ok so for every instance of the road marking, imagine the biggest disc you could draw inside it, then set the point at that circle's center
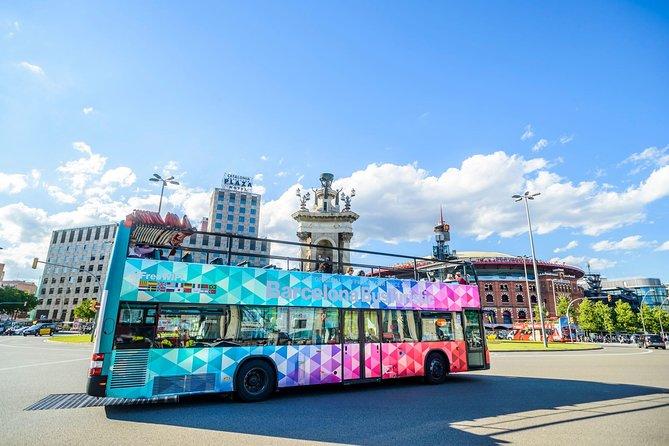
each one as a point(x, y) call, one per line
point(584, 354)
point(32, 347)
point(42, 364)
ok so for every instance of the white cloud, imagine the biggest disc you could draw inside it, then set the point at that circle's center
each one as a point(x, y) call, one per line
point(264, 157)
point(78, 172)
point(565, 139)
point(651, 157)
point(60, 195)
point(257, 177)
point(88, 110)
point(12, 183)
point(628, 243)
point(121, 176)
point(477, 200)
point(32, 68)
point(663, 247)
point(596, 264)
point(528, 133)
point(281, 174)
point(571, 245)
point(541, 144)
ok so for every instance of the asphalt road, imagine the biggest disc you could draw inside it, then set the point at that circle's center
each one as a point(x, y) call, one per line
point(619, 395)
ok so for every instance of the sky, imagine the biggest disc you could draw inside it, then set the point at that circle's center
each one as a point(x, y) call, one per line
point(416, 105)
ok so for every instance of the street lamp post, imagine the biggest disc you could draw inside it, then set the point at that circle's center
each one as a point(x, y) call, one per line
point(525, 198)
point(568, 322)
point(165, 182)
point(81, 270)
point(529, 299)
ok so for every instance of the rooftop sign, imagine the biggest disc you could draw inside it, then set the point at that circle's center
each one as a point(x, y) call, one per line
point(233, 181)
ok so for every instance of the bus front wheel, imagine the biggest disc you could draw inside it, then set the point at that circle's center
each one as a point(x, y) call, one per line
point(255, 380)
point(436, 368)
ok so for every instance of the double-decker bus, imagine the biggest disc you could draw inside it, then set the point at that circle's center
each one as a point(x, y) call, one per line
point(170, 326)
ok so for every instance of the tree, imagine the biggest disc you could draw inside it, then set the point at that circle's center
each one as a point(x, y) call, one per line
point(603, 317)
point(535, 312)
point(650, 323)
point(586, 316)
point(625, 319)
point(12, 299)
point(662, 318)
point(84, 310)
point(562, 304)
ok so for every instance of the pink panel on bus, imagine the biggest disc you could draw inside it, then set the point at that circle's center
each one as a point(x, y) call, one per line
point(408, 358)
point(372, 360)
point(351, 361)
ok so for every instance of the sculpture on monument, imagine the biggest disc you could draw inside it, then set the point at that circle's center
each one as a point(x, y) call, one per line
point(326, 226)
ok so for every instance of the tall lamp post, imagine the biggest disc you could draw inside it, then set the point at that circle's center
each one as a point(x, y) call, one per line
point(529, 299)
point(81, 270)
point(165, 181)
point(525, 198)
point(568, 321)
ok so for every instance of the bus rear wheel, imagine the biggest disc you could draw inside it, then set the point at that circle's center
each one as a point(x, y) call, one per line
point(436, 368)
point(255, 380)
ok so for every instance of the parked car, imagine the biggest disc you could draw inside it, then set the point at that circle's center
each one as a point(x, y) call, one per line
point(40, 330)
point(654, 341)
point(15, 329)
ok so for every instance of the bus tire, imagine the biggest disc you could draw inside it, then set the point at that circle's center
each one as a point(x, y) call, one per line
point(436, 368)
point(255, 380)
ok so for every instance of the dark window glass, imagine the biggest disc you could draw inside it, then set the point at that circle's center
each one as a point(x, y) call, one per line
point(106, 234)
point(217, 239)
point(489, 298)
point(88, 234)
point(135, 326)
point(262, 326)
point(198, 326)
point(437, 326)
point(400, 326)
point(97, 233)
point(252, 245)
point(240, 243)
point(54, 239)
point(205, 240)
point(80, 235)
point(505, 298)
point(62, 237)
point(519, 298)
point(71, 237)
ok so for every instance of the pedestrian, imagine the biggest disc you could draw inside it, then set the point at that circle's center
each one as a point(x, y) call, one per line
point(461, 280)
point(349, 271)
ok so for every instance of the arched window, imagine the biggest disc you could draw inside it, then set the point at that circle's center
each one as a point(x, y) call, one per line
point(533, 299)
point(522, 315)
point(489, 298)
point(507, 317)
point(505, 298)
point(519, 298)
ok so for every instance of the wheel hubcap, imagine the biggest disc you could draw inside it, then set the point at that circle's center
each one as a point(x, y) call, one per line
point(436, 369)
point(255, 381)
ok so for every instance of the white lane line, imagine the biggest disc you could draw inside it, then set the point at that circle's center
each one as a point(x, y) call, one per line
point(32, 347)
point(562, 355)
point(42, 364)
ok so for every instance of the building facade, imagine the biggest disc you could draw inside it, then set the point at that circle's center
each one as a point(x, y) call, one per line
point(504, 294)
point(233, 209)
point(649, 291)
point(82, 256)
point(23, 285)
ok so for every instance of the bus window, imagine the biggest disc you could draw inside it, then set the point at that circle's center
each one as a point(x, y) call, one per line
point(400, 326)
point(371, 325)
point(135, 326)
point(437, 326)
point(263, 326)
point(351, 333)
point(459, 334)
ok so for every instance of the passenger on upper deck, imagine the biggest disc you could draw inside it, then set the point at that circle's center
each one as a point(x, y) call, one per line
point(461, 280)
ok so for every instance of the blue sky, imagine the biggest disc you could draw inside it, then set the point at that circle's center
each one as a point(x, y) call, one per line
point(413, 104)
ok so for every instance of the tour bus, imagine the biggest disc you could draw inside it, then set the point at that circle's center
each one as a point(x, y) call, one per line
point(177, 320)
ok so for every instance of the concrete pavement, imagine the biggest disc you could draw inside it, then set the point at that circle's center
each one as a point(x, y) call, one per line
point(618, 395)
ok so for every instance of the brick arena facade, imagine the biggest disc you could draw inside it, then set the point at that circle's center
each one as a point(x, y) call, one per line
point(504, 297)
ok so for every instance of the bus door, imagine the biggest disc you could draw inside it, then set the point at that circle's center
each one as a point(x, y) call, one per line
point(474, 338)
point(361, 344)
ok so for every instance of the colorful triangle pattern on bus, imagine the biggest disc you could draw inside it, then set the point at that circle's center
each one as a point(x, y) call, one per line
point(178, 282)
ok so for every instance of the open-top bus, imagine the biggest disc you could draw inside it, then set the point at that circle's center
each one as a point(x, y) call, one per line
point(171, 327)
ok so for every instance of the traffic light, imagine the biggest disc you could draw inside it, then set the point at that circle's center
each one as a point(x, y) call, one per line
point(35, 260)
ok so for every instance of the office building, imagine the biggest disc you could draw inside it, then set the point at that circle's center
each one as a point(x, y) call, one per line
point(79, 258)
point(647, 289)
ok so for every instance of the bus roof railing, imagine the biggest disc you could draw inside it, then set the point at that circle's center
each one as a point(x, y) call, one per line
point(172, 238)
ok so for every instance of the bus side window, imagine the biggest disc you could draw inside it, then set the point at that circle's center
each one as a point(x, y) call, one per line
point(457, 325)
point(135, 326)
